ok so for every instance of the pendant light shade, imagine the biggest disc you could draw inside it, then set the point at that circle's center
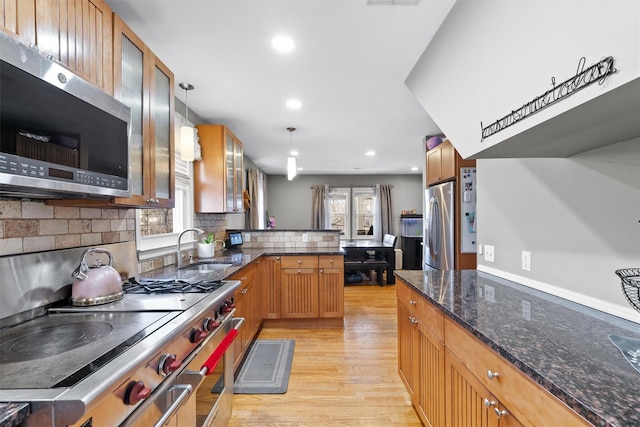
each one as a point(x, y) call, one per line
point(292, 167)
point(187, 133)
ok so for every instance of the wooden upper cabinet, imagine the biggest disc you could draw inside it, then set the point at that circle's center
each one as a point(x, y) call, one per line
point(18, 17)
point(75, 33)
point(145, 84)
point(218, 177)
point(441, 163)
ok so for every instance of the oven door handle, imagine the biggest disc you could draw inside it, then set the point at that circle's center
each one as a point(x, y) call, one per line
point(210, 365)
point(175, 406)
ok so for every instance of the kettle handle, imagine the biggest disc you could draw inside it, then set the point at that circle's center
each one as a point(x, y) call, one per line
point(82, 270)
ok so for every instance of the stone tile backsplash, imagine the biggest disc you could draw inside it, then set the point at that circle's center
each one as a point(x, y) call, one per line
point(27, 226)
point(274, 238)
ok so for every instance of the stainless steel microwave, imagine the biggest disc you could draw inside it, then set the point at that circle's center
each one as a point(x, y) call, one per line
point(60, 136)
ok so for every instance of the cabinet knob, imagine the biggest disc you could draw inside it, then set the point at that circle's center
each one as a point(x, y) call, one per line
point(299, 261)
point(412, 302)
point(492, 375)
point(500, 413)
point(244, 291)
point(489, 403)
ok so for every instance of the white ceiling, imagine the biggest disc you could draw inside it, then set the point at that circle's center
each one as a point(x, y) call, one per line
point(348, 70)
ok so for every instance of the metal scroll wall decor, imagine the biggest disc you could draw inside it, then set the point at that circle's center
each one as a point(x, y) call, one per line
point(583, 78)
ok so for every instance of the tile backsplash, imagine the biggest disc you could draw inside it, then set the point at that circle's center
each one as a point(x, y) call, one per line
point(28, 226)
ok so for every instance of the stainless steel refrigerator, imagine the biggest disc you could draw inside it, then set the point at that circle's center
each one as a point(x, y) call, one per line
point(439, 217)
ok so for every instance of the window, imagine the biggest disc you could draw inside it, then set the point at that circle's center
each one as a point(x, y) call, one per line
point(351, 210)
point(157, 230)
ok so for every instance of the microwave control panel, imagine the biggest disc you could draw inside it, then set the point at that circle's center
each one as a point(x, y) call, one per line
point(36, 169)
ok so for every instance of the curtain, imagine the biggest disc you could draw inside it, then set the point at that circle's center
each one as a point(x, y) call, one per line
point(383, 194)
point(318, 207)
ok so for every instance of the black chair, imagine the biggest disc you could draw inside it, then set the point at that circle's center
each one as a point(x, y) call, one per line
point(353, 261)
point(379, 261)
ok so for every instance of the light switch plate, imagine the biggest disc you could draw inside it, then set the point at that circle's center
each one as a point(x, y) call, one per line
point(526, 261)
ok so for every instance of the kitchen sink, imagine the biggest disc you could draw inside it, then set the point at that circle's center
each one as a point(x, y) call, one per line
point(206, 266)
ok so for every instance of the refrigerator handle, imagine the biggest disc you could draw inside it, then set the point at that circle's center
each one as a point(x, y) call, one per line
point(430, 225)
point(436, 215)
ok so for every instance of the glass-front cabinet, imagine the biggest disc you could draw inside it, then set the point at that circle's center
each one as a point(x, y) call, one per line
point(145, 84)
point(218, 177)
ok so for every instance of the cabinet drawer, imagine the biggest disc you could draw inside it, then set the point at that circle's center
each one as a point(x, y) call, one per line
point(331, 261)
point(246, 275)
point(305, 261)
point(529, 402)
point(422, 309)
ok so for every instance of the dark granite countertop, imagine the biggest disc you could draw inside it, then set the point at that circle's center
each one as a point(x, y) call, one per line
point(561, 345)
point(238, 258)
point(12, 414)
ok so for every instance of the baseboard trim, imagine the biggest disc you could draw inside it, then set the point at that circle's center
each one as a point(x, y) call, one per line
point(627, 313)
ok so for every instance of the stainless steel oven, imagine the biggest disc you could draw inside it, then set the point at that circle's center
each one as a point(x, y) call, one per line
point(141, 361)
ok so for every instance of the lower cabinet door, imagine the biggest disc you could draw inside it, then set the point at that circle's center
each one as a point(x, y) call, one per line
point(299, 293)
point(428, 397)
point(469, 403)
point(331, 292)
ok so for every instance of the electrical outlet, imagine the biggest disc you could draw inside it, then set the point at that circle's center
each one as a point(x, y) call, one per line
point(489, 253)
point(305, 237)
point(526, 261)
point(247, 237)
point(479, 249)
point(489, 293)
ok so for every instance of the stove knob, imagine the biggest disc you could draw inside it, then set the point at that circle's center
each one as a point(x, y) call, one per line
point(229, 305)
point(209, 324)
point(197, 335)
point(168, 363)
point(135, 392)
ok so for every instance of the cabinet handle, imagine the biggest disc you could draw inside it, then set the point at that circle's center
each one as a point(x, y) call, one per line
point(500, 413)
point(299, 261)
point(489, 403)
point(321, 270)
point(244, 291)
point(277, 258)
point(492, 375)
point(412, 302)
point(413, 320)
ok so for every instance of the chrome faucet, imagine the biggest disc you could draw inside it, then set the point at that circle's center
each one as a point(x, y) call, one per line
point(179, 252)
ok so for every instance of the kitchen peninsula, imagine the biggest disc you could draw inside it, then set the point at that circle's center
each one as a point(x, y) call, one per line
point(519, 335)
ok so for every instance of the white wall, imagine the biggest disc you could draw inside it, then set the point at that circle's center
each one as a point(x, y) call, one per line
point(290, 201)
point(579, 217)
point(492, 56)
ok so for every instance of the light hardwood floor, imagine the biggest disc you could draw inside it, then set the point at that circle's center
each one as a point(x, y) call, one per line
point(339, 377)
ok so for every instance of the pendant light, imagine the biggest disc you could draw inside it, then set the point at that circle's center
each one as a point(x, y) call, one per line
point(291, 161)
point(187, 133)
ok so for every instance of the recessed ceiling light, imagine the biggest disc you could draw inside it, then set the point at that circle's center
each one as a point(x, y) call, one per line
point(294, 104)
point(414, 168)
point(294, 153)
point(282, 44)
point(370, 153)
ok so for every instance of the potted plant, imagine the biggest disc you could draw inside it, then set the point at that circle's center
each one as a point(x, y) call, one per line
point(206, 247)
